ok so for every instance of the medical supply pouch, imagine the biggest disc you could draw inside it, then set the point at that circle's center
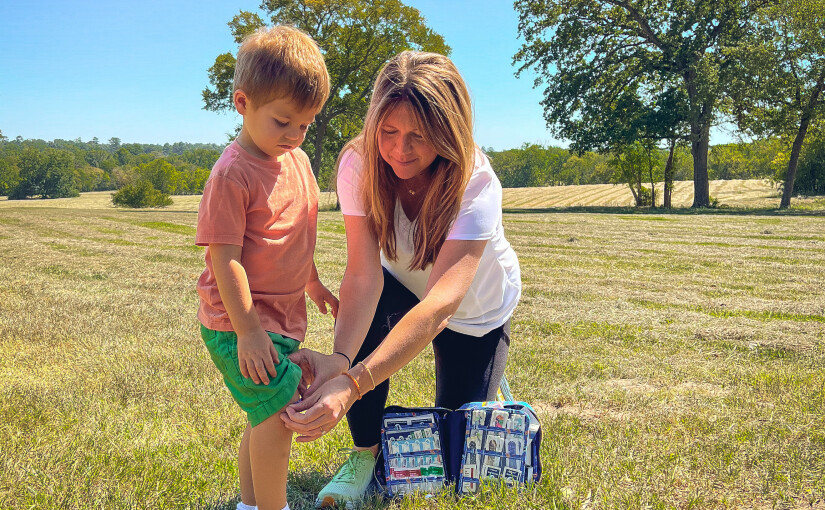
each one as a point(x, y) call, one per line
point(424, 448)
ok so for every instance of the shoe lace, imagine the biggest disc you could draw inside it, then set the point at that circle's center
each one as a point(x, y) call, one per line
point(346, 473)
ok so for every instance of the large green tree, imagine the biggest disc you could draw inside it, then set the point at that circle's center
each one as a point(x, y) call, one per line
point(590, 52)
point(780, 77)
point(356, 37)
point(45, 173)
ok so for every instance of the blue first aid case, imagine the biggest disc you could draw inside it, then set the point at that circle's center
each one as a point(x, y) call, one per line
point(425, 448)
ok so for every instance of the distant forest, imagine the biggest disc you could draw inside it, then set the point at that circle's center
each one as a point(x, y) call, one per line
point(61, 168)
point(536, 165)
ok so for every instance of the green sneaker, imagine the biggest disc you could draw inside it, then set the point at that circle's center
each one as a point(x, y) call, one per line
point(350, 483)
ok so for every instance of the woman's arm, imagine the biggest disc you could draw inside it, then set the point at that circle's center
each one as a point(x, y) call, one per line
point(452, 274)
point(359, 293)
point(360, 287)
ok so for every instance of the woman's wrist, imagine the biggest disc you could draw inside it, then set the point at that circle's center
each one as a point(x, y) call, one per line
point(369, 374)
point(363, 376)
point(345, 357)
point(353, 394)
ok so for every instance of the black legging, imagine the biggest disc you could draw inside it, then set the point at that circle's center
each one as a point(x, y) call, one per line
point(467, 368)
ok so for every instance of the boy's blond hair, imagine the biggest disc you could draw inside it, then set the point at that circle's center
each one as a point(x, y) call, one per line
point(279, 62)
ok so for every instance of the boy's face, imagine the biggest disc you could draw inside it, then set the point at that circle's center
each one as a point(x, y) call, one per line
point(274, 128)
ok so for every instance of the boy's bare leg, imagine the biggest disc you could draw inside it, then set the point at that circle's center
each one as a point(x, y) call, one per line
point(269, 445)
point(245, 470)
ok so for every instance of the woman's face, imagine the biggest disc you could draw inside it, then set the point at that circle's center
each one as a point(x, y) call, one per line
point(402, 144)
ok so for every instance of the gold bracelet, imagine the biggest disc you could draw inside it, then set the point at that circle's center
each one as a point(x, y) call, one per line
point(357, 386)
point(369, 373)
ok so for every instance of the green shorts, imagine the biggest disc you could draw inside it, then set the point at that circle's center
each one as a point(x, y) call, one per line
point(258, 401)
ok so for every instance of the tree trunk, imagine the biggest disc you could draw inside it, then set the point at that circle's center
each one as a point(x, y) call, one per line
point(650, 174)
point(635, 195)
point(639, 198)
point(700, 115)
point(321, 125)
point(793, 162)
point(668, 177)
point(699, 148)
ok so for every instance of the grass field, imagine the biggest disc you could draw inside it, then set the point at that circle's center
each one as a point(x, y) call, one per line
point(676, 360)
point(758, 194)
point(732, 193)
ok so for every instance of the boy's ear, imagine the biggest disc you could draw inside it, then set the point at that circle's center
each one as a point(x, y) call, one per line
point(241, 100)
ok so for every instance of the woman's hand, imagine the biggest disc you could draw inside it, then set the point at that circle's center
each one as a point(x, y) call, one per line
point(313, 417)
point(317, 369)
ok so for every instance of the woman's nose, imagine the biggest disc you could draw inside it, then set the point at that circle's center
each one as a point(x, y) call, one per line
point(404, 146)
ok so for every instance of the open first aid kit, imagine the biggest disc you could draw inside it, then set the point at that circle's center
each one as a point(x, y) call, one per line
point(422, 449)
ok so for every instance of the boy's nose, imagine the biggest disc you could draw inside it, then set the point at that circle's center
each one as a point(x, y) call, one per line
point(294, 134)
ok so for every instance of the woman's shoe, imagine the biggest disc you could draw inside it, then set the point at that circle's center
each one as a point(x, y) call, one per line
point(350, 483)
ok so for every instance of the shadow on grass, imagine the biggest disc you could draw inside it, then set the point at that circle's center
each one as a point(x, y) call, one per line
point(682, 211)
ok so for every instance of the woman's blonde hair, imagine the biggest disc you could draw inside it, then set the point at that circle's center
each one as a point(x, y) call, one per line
point(433, 88)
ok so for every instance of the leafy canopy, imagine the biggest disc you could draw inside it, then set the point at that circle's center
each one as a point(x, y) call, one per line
point(357, 37)
point(617, 71)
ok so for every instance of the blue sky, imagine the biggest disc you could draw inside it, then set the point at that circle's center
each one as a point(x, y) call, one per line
point(136, 69)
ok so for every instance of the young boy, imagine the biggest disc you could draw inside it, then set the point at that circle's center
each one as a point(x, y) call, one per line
point(257, 219)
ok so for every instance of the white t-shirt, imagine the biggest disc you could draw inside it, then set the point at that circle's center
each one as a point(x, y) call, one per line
point(496, 287)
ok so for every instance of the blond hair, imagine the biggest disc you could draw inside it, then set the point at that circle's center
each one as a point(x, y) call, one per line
point(279, 62)
point(433, 88)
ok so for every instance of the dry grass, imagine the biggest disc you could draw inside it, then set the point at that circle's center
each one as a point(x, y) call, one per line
point(733, 193)
point(102, 200)
point(677, 361)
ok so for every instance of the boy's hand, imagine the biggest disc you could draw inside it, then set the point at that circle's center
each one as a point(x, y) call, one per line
point(257, 356)
point(320, 295)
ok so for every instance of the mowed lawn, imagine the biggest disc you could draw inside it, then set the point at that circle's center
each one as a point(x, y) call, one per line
point(676, 361)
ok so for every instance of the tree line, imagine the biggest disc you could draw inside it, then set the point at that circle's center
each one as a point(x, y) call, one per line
point(536, 165)
point(64, 168)
point(152, 172)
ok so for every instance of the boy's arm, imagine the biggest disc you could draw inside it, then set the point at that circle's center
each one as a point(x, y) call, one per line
point(319, 294)
point(256, 353)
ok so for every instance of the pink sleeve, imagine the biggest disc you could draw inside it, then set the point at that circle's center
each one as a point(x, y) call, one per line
point(349, 184)
point(222, 212)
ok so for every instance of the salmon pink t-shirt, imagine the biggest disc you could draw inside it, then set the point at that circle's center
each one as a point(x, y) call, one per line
point(270, 209)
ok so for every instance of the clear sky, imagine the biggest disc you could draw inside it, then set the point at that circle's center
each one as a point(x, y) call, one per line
point(136, 69)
